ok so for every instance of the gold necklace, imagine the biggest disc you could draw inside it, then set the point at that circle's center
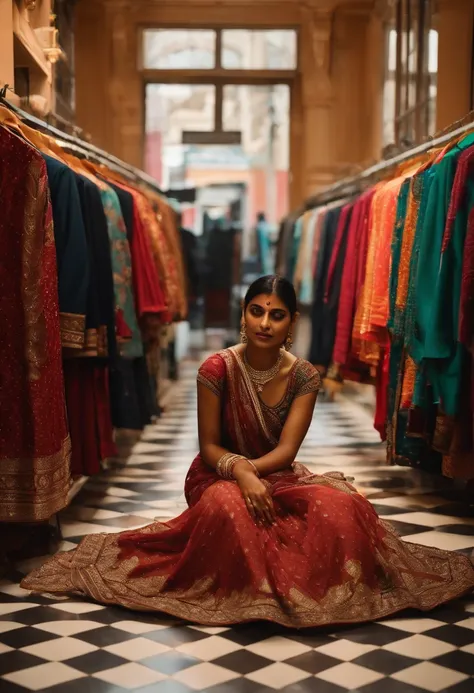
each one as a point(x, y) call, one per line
point(261, 378)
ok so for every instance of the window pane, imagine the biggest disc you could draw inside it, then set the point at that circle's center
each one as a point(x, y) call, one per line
point(172, 49)
point(171, 109)
point(259, 50)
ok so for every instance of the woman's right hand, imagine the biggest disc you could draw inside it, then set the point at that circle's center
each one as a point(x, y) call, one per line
point(256, 496)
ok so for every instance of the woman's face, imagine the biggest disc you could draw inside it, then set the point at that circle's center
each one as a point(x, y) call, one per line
point(268, 321)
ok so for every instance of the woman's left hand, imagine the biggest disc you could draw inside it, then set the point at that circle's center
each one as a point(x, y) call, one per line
point(257, 498)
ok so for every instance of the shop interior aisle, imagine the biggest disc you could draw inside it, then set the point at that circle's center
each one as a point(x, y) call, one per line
point(74, 646)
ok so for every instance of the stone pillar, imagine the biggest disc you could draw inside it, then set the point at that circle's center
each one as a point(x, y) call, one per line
point(125, 85)
point(7, 69)
point(317, 93)
point(455, 78)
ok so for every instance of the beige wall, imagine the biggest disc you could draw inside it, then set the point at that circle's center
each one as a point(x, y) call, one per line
point(455, 26)
point(336, 115)
point(330, 99)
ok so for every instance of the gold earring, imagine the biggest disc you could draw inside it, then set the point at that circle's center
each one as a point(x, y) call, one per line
point(289, 342)
point(243, 332)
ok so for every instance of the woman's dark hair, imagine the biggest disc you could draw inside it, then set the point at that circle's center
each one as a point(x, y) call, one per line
point(273, 284)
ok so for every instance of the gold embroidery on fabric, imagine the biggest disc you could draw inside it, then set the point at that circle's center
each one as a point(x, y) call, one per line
point(37, 197)
point(411, 576)
point(32, 490)
point(72, 330)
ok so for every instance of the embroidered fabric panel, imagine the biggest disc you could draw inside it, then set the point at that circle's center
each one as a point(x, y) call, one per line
point(307, 379)
point(212, 374)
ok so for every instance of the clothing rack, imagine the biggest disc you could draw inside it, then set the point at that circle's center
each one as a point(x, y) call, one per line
point(81, 147)
point(355, 184)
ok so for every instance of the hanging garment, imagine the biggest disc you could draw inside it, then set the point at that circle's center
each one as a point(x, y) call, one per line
point(318, 353)
point(280, 573)
point(71, 252)
point(34, 440)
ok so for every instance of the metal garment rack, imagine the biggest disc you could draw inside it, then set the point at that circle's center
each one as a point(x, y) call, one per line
point(79, 146)
point(354, 184)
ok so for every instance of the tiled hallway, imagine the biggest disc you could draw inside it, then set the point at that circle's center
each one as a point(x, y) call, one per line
point(74, 646)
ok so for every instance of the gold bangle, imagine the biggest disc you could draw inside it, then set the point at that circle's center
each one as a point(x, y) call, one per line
point(255, 467)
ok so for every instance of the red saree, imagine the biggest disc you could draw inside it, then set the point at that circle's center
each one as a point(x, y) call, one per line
point(328, 558)
point(34, 442)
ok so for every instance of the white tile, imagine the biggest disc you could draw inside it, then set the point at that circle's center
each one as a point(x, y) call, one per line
point(350, 676)
point(44, 676)
point(89, 514)
point(420, 647)
point(210, 630)
point(468, 623)
point(278, 676)
point(60, 649)
point(70, 528)
point(346, 650)
point(278, 648)
point(136, 627)
point(5, 648)
point(430, 677)
point(468, 648)
point(65, 628)
point(137, 649)
point(413, 625)
point(14, 590)
point(130, 676)
point(209, 648)
point(203, 676)
point(440, 540)
point(428, 519)
point(470, 608)
point(7, 626)
point(14, 607)
point(78, 607)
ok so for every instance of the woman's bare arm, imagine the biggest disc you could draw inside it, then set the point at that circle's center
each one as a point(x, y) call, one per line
point(209, 426)
point(294, 432)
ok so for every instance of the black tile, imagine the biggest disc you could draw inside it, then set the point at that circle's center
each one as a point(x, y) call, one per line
point(23, 637)
point(311, 637)
point(404, 529)
point(455, 510)
point(385, 662)
point(465, 530)
point(313, 662)
point(465, 686)
point(9, 687)
point(449, 613)
point(312, 685)
point(391, 510)
point(243, 662)
point(388, 685)
point(85, 685)
point(17, 661)
point(372, 634)
point(174, 637)
point(170, 662)
point(250, 633)
point(455, 635)
point(100, 660)
point(457, 660)
point(102, 637)
point(40, 614)
point(240, 685)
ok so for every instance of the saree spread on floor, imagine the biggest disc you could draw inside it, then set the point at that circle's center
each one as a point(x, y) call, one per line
point(327, 559)
point(402, 305)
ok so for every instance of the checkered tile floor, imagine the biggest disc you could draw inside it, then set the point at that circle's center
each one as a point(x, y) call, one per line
point(74, 646)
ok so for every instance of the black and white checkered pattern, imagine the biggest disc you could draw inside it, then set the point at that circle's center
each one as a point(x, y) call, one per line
point(70, 645)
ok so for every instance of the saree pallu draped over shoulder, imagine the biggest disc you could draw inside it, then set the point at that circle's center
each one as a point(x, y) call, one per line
point(327, 559)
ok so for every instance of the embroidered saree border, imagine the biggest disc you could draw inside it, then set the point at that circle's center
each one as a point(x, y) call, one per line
point(72, 330)
point(34, 489)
